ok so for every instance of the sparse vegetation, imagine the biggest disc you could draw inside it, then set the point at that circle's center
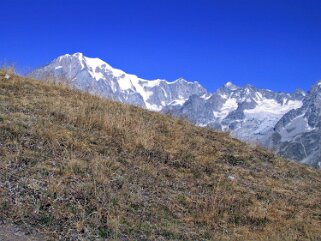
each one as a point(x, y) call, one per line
point(8, 69)
point(74, 166)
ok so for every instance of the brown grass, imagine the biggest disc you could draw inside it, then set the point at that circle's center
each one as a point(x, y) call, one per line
point(9, 69)
point(77, 166)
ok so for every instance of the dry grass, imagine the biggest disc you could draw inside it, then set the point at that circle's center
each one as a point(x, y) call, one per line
point(9, 69)
point(74, 166)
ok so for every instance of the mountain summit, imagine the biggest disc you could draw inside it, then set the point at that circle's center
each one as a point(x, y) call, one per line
point(297, 135)
point(230, 85)
point(95, 76)
point(249, 113)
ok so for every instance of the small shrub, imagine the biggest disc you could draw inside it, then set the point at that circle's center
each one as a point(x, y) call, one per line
point(105, 232)
point(234, 160)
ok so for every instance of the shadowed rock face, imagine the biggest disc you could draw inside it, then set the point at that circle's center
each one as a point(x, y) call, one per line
point(249, 113)
point(298, 133)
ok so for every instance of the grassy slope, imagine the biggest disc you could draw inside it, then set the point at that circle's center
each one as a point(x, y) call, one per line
point(73, 165)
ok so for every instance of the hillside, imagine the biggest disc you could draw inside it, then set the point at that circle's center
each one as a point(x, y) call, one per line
point(75, 166)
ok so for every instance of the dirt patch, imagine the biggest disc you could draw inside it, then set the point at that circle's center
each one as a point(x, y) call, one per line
point(14, 233)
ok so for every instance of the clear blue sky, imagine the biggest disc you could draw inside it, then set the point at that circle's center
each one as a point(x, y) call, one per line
point(273, 44)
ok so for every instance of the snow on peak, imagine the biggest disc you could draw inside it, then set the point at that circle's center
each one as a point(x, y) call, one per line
point(152, 94)
point(230, 85)
point(97, 67)
point(229, 105)
point(179, 80)
point(78, 54)
point(270, 107)
point(206, 96)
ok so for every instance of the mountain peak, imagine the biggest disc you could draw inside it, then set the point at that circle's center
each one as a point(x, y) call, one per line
point(180, 80)
point(95, 75)
point(316, 87)
point(78, 54)
point(299, 92)
point(230, 85)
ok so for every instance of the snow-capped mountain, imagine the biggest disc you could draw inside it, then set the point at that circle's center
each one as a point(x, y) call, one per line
point(287, 123)
point(297, 135)
point(97, 77)
point(248, 113)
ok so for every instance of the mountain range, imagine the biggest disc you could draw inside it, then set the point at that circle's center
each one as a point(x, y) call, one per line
point(288, 123)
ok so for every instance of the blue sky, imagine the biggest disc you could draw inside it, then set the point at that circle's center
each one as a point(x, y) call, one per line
point(270, 44)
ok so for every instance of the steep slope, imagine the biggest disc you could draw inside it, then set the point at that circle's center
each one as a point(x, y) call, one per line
point(74, 166)
point(298, 134)
point(97, 77)
point(249, 113)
